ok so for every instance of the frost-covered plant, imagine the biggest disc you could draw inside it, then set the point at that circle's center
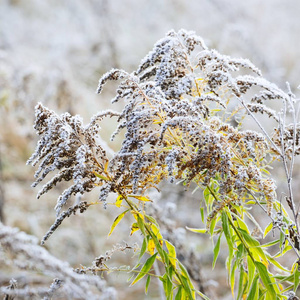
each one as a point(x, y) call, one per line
point(185, 120)
point(22, 250)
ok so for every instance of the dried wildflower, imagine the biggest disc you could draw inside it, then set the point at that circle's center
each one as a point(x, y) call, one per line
point(82, 206)
point(172, 129)
point(26, 253)
point(69, 147)
point(183, 116)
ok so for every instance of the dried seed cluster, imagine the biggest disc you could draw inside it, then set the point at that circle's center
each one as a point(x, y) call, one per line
point(181, 104)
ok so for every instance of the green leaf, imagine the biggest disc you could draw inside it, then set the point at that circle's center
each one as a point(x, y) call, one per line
point(254, 289)
point(286, 248)
point(270, 244)
point(232, 277)
point(265, 278)
point(117, 220)
point(151, 219)
point(179, 294)
point(185, 278)
point(187, 288)
point(296, 278)
point(216, 251)
point(281, 240)
point(100, 176)
point(141, 224)
point(268, 229)
point(256, 250)
point(284, 278)
point(202, 214)
point(143, 248)
point(156, 237)
point(201, 295)
point(172, 253)
point(206, 194)
point(145, 269)
point(183, 270)
point(198, 230)
point(228, 236)
point(212, 225)
point(241, 223)
point(147, 284)
point(251, 271)
point(276, 263)
point(241, 283)
point(168, 286)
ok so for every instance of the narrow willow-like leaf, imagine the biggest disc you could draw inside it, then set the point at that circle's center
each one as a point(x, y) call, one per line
point(241, 223)
point(216, 250)
point(197, 230)
point(241, 286)
point(141, 198)
point(275, 263)
point(168, 286)
point(147, 284)
point(251, 271)
point(172, 253)
point(228, 236)
point(232, 277)
point(296, 278)
point(270, 244)
point(143, 248)
point(265, 278)
point(187, 287)
point(158, 242)
point(151, 219)
point(100, 176)
point(145, 269)
point(116, 221)
point(141, 224)
point(185, 279)
point(179, 294)
point(202, 214)
point(256, 250)
point(212, 225)
point(253, 293)
point(287, 248)
point(268, 229)
point(201, 295)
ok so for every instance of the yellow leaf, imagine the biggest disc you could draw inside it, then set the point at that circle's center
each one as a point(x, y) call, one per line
point(172, 253)
point(100, 176)
point(116, 221)
point(106, 166)
point(141, 198)
point(151, 247)
point(268, 229)
point(119, 201)
point(200, 230)
point(137, 214)
point(134, 228)
point(156, 231)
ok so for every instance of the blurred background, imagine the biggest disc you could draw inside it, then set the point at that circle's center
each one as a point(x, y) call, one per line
point(56, 51)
